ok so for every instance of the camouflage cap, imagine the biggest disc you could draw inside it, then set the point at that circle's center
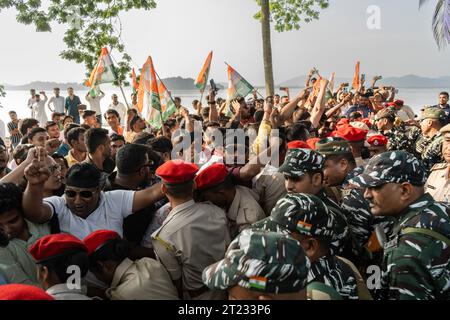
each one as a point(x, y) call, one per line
point(261, 261)
point(300, 161)
point(385, 113)
point(333, 145)
point(300, 213)
point(391, 167)
point(433, 113)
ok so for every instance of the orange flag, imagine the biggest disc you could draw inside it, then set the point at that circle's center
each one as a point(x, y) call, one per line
point(356, 79)
point(202, 78)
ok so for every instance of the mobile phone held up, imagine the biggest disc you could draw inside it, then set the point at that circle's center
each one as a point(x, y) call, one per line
point(213, 86)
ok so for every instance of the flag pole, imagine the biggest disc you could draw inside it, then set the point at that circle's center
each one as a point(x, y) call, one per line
point(120, 82)
point(170, 95)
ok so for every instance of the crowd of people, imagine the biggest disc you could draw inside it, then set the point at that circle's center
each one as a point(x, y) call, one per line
point(311, 195)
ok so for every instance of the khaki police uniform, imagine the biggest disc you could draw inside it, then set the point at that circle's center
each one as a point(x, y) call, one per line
point(193, 236)
point(244, 210)
point(438, 183)
point(270, 188)
point(143, 279)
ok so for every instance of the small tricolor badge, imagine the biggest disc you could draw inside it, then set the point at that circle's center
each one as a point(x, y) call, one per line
point(304, 227)
point(258, 282)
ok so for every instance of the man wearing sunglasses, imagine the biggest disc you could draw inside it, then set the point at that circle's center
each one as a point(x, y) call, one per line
point(84, 207)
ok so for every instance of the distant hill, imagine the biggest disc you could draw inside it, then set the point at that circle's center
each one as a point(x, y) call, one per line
point(408, 81)
point(173, 83)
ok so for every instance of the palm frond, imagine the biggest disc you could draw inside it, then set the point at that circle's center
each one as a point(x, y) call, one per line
point(441, 23)
point(422, 2)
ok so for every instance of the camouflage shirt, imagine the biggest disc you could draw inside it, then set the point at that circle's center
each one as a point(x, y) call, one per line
point(416, 264)
point(333, 272)
point(432, 154)
point(341, 233)
point(402, 137)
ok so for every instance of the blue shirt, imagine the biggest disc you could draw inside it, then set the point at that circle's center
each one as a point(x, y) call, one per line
point(63, 149)
point(364, 110)
point(72, 106)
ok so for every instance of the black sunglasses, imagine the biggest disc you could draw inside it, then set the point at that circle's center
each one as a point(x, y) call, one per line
point(85, 194)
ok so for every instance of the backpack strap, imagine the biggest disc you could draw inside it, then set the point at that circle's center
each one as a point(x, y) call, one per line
point(427, 232)
point(320, 291)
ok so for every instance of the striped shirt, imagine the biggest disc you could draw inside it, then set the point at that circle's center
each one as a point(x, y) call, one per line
point(15, 138)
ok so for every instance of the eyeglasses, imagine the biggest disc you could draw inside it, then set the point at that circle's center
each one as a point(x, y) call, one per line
point(85, 194)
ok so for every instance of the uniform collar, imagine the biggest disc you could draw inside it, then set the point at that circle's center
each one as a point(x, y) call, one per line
point(181, 207)
point(414, 208)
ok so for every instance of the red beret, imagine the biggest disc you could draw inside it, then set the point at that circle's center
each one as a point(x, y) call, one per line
point(54, 245)
point(350, 133)
point(298, 144)
point(98, 238)
point(377, 140)
point(399, 103)
point(177, 171)
point(23, 292)
point(342, 122)
point(312, 142)
point(367, 122)
point(211, 176)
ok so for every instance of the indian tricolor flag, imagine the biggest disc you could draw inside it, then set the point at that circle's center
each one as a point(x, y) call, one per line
point(167, 105)
point(149, 104)
point(202, 78)
point(356, 80)
point(103, 71)
point(259, 283)
point(302, 226)
point(237, 85)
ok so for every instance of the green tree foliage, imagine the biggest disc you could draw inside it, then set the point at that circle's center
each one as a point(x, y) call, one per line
point(2, 91)
point(90, 25)
point(288, 15)
point(441, 22)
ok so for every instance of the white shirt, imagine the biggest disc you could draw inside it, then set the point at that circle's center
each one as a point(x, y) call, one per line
point(94, 103)
point(2, 130)
point(62, 292)
point(114, 206)
point(121, 109)
point(58, 104)
point(38, 109)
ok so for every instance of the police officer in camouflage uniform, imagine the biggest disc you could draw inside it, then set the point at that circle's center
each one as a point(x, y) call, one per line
point(416, 263)
point(400, 136)
point(307, 219)
point(429, 145)
point(302, 169)
point(261, 265)
point(339, 168)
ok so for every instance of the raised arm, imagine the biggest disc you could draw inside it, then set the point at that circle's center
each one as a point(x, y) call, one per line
point(319, 106)
point(288, 109)
point(147, 197)
point(37, 173)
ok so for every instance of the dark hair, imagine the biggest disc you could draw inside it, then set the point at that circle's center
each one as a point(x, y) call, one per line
point(194, 102)
point(74, 134)
point(130, 158)
point(21, 152)
point(142, 138)
point(85, 126)
point(59, 265)
point(161, 144)
point(205, 112)
point(259, 115)
point(50, 124)
point(12, 112)
point(10, 197)
point(67, 117)
point(171, 123)
point(94, 138)
point(83, 175)
point(112, 111)
point(338, 157)
point(113, 250)
point(26, 124)
point(445, 93)
point(116, 137)
point(34, 132)
point(297, 131)
point(60, 156)
point(88, 113)
point(133, 121)
point(182, 190)
point(69, 127)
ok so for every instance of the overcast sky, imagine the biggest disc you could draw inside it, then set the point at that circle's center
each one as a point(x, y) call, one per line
point(179, 33)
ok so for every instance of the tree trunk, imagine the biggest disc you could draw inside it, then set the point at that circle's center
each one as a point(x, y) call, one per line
point(267, 47)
